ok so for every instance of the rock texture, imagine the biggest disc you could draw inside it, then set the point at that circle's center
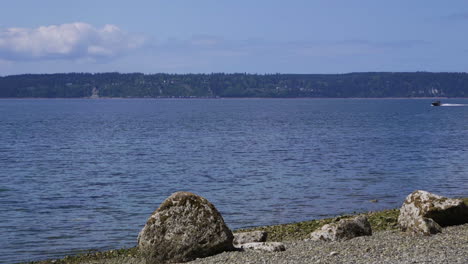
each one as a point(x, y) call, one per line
point(343, 230)
point(248, 237)
point(425, 213)
point(264, 246)
point(185, 227)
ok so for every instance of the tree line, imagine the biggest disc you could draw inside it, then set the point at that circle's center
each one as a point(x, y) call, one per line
point(371, 84)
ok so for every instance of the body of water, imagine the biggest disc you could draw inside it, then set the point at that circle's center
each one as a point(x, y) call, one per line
point(86, 174)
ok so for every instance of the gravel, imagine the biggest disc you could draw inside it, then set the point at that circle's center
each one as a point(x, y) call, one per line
point(450, 246)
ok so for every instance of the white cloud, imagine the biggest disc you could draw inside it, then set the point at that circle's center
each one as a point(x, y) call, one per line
point(67, 41)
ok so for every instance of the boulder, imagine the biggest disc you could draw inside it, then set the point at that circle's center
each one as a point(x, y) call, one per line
point(343, 230)
point(248, 237)
point(184, 227)
point(426, 213)
point(264, 246)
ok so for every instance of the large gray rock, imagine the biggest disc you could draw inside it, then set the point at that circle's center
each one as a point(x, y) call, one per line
point(186, 226)
point(425, 213)
point(343, 230)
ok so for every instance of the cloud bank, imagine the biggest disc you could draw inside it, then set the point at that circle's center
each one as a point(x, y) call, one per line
point(67, 41)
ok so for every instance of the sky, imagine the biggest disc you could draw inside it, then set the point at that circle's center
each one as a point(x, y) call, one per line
point(255, 36)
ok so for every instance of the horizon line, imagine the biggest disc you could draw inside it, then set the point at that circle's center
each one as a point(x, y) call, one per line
point(235, 73)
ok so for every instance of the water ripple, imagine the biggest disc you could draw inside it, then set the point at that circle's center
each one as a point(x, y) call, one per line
point(86, 174)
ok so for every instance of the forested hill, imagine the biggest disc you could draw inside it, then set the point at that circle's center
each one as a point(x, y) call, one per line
point(68, 85)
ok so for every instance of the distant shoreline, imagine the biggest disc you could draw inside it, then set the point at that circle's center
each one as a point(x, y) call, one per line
point(352, 85)
point(227, 98)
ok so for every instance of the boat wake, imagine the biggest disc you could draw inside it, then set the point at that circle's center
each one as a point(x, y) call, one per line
point(454, 105)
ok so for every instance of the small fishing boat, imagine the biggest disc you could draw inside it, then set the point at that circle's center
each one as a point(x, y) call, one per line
point(436, 103)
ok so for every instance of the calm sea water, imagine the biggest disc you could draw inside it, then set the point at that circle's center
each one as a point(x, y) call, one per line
point(86, 174)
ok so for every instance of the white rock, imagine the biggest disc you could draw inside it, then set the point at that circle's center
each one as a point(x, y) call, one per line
point(425, 213)
point(264, 246)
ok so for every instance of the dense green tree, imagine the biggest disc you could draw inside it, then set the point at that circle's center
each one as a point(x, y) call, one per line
point(373, 84)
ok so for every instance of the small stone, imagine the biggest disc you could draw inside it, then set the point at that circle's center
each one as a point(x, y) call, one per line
point(247, 237)
point(343, 230)
point(264, 246)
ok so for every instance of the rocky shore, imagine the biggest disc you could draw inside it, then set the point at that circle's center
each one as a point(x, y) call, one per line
point(392, 246)
point(305, 243)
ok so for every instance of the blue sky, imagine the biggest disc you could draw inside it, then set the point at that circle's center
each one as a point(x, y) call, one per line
point(203, 36)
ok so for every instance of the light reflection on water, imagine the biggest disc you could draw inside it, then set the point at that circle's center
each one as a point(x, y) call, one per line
point(86, 174)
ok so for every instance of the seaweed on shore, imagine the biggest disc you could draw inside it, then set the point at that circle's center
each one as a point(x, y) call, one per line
point(95, 257)
point(382, 220)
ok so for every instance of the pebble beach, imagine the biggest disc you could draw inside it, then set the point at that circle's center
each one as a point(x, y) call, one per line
point(391, 246)
point(450, 246)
